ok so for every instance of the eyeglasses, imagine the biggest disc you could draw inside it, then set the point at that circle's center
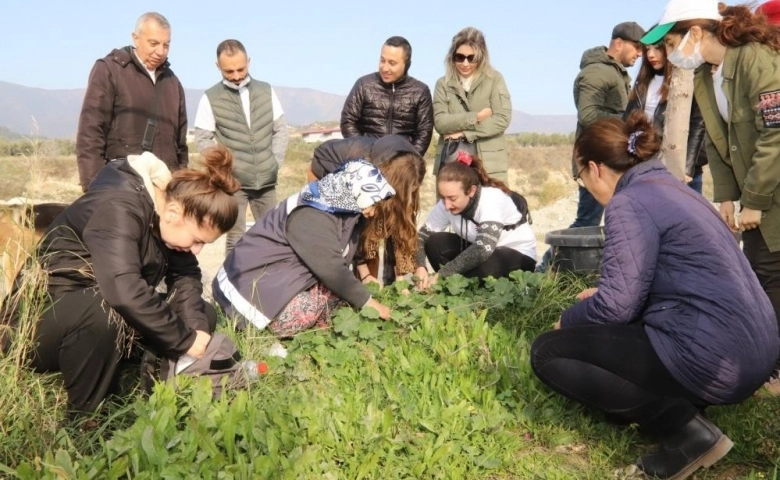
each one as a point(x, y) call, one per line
point(460, 58)
point(578, 177)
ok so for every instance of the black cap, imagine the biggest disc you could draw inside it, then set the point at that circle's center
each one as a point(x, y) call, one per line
point(628, 31)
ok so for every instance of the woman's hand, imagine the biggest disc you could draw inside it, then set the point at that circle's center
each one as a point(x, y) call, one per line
point(484, 114)
point(384, 312)
point(587, 293)
point(198, 348)
point(727, 212)
point(749, 219)
point(422, 277)
point(557, 325)
point(688, 179)
point(454, 136)
point(370, 279)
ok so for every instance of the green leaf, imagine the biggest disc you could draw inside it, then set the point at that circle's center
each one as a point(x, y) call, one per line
point(370, 313)
point(368, 330)
point(346, 324)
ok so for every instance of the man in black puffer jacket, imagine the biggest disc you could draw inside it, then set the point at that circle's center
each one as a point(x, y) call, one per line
point(390, 101)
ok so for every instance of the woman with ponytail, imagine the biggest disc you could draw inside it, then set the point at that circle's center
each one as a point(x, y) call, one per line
point(105, 255)
point(678, 321)
point(736, 55)
point(491, 237)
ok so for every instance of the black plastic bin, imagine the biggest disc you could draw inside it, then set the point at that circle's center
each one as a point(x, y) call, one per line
point(576, 250)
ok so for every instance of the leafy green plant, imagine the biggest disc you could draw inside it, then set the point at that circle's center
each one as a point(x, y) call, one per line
point(442, 390)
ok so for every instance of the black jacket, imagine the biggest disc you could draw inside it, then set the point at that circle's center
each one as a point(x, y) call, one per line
point(109, 239)
point(332, 154)
point(374, 108)
point(117, 105)
point(696, 154)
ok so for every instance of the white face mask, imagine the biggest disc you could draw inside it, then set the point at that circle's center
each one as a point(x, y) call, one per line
point(686, 62)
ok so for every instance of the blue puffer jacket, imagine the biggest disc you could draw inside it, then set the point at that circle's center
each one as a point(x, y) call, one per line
point(671, 262)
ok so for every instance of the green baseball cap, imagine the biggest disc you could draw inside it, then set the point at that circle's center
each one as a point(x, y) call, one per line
point(656, 34)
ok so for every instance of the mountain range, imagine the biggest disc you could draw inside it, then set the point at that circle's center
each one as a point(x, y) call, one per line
point(54, 113)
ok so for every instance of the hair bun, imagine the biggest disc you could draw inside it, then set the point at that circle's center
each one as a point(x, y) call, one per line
point(219, 165)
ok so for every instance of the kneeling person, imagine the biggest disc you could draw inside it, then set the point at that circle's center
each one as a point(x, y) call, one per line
point(491, 236)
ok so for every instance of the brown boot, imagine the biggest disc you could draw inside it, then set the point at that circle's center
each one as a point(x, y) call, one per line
point(772, 386)
point(698, 444)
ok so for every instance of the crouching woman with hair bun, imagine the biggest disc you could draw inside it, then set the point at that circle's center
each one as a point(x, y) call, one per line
point(491, 237)
point(292, 268)
point(679, 320)
point(105, 255)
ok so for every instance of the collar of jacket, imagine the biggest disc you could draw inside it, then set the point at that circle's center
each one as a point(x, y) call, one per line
point(730, 61)
point(637, 171)
point(237, 88)
point(455, 85)
point(124, 56)
point(401, 81)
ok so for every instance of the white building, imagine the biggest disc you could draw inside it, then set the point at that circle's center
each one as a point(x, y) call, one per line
point(321, 135)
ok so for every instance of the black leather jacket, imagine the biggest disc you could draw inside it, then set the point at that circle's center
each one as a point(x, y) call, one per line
point(109, 240)
point(374, 108)
point(696, 155)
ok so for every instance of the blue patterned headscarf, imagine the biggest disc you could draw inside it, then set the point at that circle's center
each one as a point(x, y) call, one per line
point(355, 186)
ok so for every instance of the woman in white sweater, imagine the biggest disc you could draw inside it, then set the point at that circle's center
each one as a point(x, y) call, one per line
point(490, 236)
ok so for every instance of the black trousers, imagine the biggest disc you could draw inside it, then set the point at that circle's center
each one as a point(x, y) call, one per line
point(74, 336)
point(766, 265)
point(443, 247)
point(614, 368)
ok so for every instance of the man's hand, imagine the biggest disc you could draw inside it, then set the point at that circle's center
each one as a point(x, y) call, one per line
point(749, 219)
point(198, 348)
point(484, 114)
point(727, 213)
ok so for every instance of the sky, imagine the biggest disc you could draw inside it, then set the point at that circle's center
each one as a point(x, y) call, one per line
point(323, 45)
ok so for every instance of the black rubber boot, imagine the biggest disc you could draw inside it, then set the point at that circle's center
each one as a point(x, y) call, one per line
point(698, 444)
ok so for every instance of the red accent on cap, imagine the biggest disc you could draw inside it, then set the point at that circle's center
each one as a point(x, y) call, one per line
point(771, 9)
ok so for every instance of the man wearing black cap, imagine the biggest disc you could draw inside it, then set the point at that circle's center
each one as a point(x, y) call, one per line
point(601, 90)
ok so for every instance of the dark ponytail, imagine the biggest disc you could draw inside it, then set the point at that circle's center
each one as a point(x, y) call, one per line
point(207, 196)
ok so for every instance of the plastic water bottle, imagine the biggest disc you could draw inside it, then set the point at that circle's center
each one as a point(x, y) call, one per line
point(254, 369)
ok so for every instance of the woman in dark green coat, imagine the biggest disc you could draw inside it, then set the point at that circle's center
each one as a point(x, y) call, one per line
point(471, 101)
point(736, 54)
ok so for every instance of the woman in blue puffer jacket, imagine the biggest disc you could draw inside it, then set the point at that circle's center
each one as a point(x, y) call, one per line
point(679, 320)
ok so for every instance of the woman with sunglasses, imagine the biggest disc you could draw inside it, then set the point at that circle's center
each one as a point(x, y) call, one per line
point(471, 101)
point(678, 321)
point(650, 94)
point(738, 91)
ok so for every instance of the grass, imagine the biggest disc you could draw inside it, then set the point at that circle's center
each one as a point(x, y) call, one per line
point(444, 390)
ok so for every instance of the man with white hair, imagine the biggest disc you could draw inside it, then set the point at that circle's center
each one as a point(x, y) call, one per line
point(134, 103)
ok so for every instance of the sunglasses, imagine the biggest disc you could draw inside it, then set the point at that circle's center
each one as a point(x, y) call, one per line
point(460, 58)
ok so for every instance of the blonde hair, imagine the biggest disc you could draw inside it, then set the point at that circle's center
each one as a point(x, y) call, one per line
point(395, 217)
point(475, 39)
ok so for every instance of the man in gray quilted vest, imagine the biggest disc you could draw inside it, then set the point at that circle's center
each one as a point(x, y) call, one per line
point(245, 115)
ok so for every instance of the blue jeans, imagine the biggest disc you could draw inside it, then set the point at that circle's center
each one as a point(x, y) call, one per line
point(589, 213)
point(696, 183)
